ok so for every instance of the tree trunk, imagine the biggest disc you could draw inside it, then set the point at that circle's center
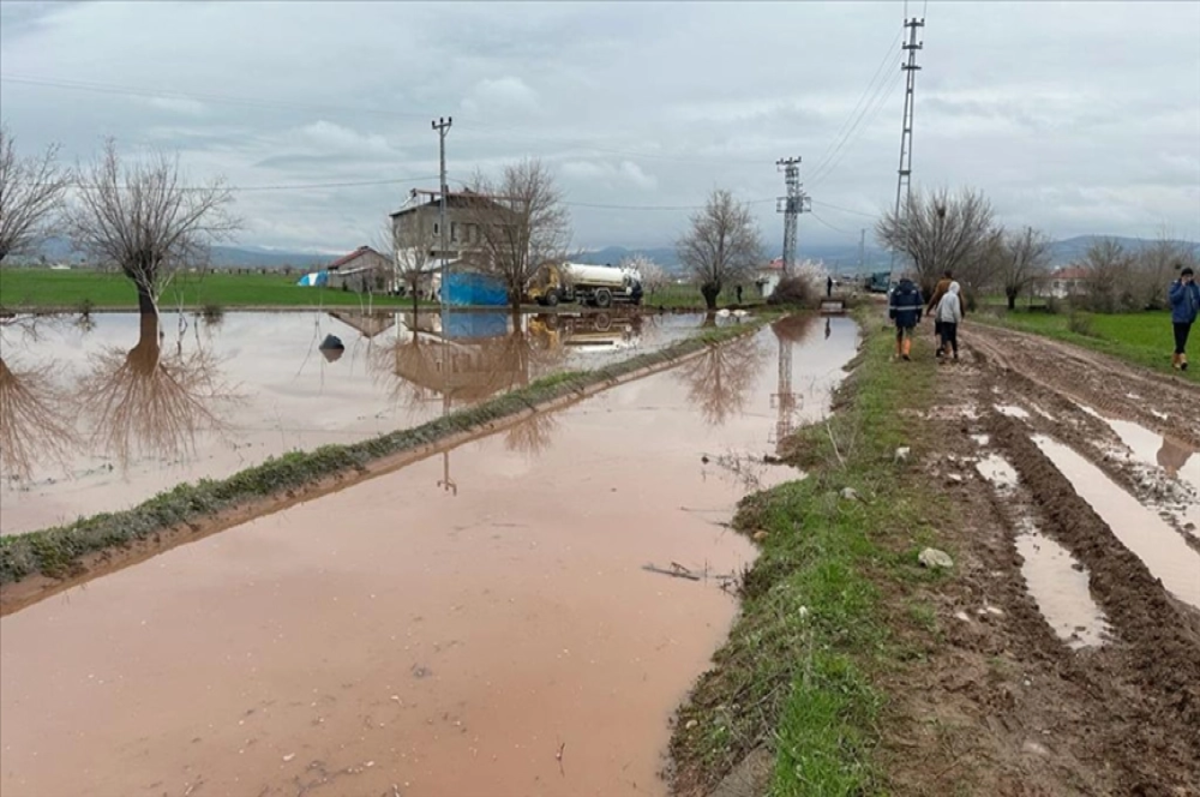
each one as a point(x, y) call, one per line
point(146, 304)
point(710, 291)
point(1012, 299)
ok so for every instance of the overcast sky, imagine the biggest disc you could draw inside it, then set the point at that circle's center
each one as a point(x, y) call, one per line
point(1073, 117)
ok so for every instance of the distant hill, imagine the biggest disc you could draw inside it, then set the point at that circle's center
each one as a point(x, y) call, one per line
point(60, 250)
point(1070, 250)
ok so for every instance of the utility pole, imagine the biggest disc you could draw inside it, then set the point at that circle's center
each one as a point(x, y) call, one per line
point(442, 126)
point(904, 178)
point(791, 206)
point(862, 249)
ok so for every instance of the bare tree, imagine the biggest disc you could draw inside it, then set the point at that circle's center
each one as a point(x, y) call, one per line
point(1023, 258)
point(940, 231)
point(719, 381)
point(654, 276)
point(36, 421)
point(413, 248)
point(723, 246)
point(146, 220)
point(1108, 284)
point(1157, 266)
point(521, 223)
point(31, 192)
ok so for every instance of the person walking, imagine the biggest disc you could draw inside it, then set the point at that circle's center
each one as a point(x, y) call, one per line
point(949, 314)
point(939, 291)
point(905, 309)
point(1185, 305)
point(739, 294)
point(829, 287)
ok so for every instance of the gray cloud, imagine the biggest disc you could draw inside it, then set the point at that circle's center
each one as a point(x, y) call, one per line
point(1074, 117)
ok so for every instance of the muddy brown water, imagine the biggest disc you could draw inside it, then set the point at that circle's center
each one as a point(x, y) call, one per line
point(103, 419)
point(497, 636)
point(1138, 527)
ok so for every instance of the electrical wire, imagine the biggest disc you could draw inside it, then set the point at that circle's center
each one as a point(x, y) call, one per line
point(830, 226)
point(236, 189)
point(886, 93)
point(845, 210)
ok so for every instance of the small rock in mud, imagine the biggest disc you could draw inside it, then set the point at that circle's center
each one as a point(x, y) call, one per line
point(954, 479)
point(760, 535)
point(933, 558)
point(902, 454)
point(966, 618)
point(1031, 746)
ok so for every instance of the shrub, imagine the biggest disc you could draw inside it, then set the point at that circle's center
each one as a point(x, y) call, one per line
point(793, 291)
point(1081, 324)
point(1055, 305)
point(212, 313)
point(85, 308)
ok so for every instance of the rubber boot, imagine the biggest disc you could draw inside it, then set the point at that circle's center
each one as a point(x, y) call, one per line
point(1183, 362)
point(907, 350)
point(899, 349)
point(1175, 361)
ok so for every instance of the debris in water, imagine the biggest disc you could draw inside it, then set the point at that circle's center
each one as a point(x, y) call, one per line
point(677, 571)
point(933, 558)
point(288, 757)
point(420, 671)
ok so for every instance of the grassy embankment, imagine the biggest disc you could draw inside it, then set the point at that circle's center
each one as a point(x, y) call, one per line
point(1143, 339)
point(56, 552)
point(800, 674)
point(29, 289)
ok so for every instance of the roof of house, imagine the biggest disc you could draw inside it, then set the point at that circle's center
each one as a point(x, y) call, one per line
point(454, 199)
point(774, 265)
point(357, 253)
point(1070, 273)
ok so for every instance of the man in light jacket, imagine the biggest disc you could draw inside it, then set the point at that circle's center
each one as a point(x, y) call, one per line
point(1185, 304)
point(949, 314)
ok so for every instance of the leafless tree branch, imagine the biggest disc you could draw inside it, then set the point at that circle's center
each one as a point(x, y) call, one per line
point(722, 247)
point(31, 194)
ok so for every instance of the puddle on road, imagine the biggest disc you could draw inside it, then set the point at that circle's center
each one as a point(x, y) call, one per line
point(1012, 412)
point(998, 471)
point(448, 641)
point(1139, 528)
point(112, 414)
point(981, 439)
point(1059, 585)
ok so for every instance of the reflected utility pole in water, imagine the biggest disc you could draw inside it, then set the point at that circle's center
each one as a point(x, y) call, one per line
point(783, 399)
point(442, 126)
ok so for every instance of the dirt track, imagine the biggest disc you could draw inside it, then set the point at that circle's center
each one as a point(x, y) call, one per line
point(1008, 706)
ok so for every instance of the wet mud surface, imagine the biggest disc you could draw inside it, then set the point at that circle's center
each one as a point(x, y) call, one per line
point(101, 417)
point(1087, 680)
point(519, 615)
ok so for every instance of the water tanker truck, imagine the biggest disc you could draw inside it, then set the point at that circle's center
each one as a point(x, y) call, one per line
point(600, 286)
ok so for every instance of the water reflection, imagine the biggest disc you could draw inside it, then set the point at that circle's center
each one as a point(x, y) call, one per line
point(719, 380)
point(1173, 455)
point(533, 435)
point(150, 402)
point(36, 421)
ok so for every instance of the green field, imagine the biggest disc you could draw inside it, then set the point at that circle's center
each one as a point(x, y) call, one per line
point(69, 291)
point(43, 289)
point(1143, 339)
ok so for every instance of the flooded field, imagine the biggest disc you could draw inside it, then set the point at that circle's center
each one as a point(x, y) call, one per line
point(101, 416)
point(518, 615)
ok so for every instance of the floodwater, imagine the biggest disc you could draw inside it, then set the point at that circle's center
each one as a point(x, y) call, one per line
point(482, 622)
point(1059, 585)
point(1138, 528)
point(997, 471)
point(103, 416)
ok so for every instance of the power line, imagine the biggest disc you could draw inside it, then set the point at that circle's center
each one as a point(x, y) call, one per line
point(831, 206)
point(830, 226)
point(290, 186)
point(882, 96)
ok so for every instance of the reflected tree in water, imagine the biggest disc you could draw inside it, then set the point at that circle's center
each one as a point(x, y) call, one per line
point(36, 420)
point(151, 402)
point(1173, 455)
point(533, 435)
point(720, 379)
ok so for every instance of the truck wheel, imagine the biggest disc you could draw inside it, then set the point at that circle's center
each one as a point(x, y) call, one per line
point(550, 299)
point(603, 297)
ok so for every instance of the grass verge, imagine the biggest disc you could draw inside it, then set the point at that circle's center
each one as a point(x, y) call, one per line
point(798, 674)
point(1143, 339)
point(56, 552)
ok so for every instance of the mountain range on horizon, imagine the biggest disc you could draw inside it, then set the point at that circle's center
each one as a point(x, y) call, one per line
point(839, 258)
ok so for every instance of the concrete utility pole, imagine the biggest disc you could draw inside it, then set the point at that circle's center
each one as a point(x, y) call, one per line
point(862, 249)
point(904, 178)
point(791, 206)
point(442, 126)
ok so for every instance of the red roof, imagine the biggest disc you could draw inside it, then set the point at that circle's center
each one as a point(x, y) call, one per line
point(1070, 273)
point(774, 265)
point(344, 259)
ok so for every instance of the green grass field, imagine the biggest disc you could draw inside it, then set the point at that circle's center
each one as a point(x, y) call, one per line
point(1143, 339)
point(68, 291)
point(42, 289)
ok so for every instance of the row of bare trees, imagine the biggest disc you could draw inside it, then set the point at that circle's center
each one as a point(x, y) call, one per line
point(956, 231)
point(141, 216)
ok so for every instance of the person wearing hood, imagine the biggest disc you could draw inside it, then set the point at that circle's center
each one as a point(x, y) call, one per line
point(939, 291)
point(949, 314)
point(905, 310)
point(1185, 305)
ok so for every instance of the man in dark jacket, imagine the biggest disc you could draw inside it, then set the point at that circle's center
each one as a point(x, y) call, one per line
point(905, 309)
point(1185, 305)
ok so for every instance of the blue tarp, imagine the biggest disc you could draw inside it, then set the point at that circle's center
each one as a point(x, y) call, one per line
point(464, 289)
point(315, 279)
point(464, 326)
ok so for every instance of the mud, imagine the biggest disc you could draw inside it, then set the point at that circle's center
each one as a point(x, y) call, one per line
point(482, 622)
point(120, 411)
point(1010, 704)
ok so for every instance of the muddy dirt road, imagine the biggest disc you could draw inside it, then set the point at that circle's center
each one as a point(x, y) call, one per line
point(480, 623)
point(1072, 663)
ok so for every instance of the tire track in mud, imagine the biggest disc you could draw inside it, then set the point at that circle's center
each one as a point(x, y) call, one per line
point(1031, 715)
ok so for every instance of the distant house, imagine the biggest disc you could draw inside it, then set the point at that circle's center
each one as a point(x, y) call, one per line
point(1067, 282)
point(363, 270)
point(767, 277)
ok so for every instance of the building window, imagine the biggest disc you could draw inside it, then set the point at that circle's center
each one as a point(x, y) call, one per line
point(454, 231)
point(435, 228)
